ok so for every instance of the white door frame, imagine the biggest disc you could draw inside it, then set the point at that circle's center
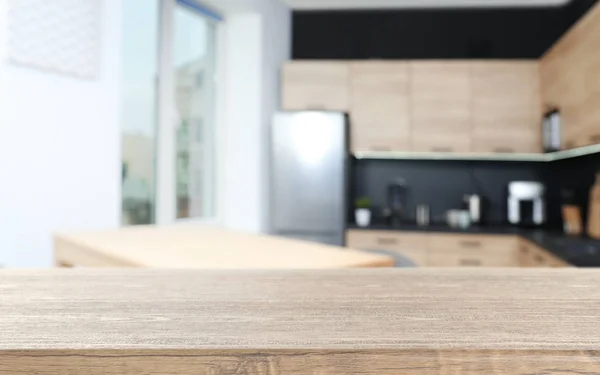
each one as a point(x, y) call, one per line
point(166, 210)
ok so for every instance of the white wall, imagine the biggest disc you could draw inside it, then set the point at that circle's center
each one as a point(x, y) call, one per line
point(59, 150)
point(256, 41)
point(60, 137)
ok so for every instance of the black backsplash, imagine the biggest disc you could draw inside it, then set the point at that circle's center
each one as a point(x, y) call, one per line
point(578, 175)
point(432, 33)
point(442, 185)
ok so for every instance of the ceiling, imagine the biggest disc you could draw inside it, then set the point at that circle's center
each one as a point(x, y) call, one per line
point(375, 4)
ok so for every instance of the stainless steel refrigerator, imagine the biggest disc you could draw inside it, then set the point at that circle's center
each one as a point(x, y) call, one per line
point(308, 177)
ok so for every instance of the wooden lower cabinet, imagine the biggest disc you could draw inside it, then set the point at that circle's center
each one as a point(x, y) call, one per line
point(531, 255)
point(455, 250)
point(413, 246)
point(471, 250)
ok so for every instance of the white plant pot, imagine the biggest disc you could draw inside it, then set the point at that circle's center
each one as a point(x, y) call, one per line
point(363, 217)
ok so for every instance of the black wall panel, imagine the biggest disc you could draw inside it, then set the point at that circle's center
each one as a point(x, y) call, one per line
point(432, 33)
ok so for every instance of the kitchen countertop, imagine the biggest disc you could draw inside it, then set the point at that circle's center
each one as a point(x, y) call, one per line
point(361, 321)
point(580, 252)
point(200, 246)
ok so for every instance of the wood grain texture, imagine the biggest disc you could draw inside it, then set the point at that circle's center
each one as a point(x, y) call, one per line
point(569, 80)
point(506, 106)
point(472, 250)
point(414, 246)
point(197, 246)
point(316, 85)
point(380, 117)
point(444, 249)
point(531, 255)
point(440, 106)
point(387, 321)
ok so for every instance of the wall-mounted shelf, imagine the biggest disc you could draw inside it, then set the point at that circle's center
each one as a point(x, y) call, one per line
point(559, 155)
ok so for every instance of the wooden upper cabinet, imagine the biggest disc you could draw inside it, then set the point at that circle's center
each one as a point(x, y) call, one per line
point(440, 106)
point(506, 110)
point(506, 93)
point(316, 85)
point(379, 112)
point(569, 74)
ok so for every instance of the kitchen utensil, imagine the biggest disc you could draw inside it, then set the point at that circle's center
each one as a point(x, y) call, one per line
point(423, 215)
point(474, 203)
point(593, 228)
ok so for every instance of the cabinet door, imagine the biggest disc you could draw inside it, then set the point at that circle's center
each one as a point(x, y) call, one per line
point(379, 111)
point(497, 139)
point(569, 72)
point(440, 106)
point(590, 124)
point(506, 106)
point(413, 246)
point(316, 85)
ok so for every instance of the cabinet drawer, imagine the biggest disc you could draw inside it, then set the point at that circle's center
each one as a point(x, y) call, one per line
point(473, 242)
point(438, 258)
point(411, 245)
point(473, 250)
point(472, 258)
point(374, 239)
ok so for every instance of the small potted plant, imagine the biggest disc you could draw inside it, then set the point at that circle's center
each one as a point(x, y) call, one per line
point(362, 214)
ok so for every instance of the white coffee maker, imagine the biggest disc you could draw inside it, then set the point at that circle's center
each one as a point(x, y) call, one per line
point(526, 203)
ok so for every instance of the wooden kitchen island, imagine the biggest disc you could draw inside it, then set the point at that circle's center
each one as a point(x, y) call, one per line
point(201, 247)
point(360, 321)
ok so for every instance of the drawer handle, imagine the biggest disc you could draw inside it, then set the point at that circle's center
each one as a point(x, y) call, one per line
point(595, 138)
point(470, 244)
point(504, 150)
point(470, 262)
point(441, 149)
point(387, 241)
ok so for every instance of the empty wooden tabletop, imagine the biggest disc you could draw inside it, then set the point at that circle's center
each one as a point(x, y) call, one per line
point(375, 321)
point(202, 247)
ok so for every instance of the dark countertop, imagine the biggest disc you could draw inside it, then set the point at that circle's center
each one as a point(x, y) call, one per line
point(578, 251)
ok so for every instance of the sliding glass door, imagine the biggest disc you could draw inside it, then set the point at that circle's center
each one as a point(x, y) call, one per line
point(169, 107)
point(194, 80)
